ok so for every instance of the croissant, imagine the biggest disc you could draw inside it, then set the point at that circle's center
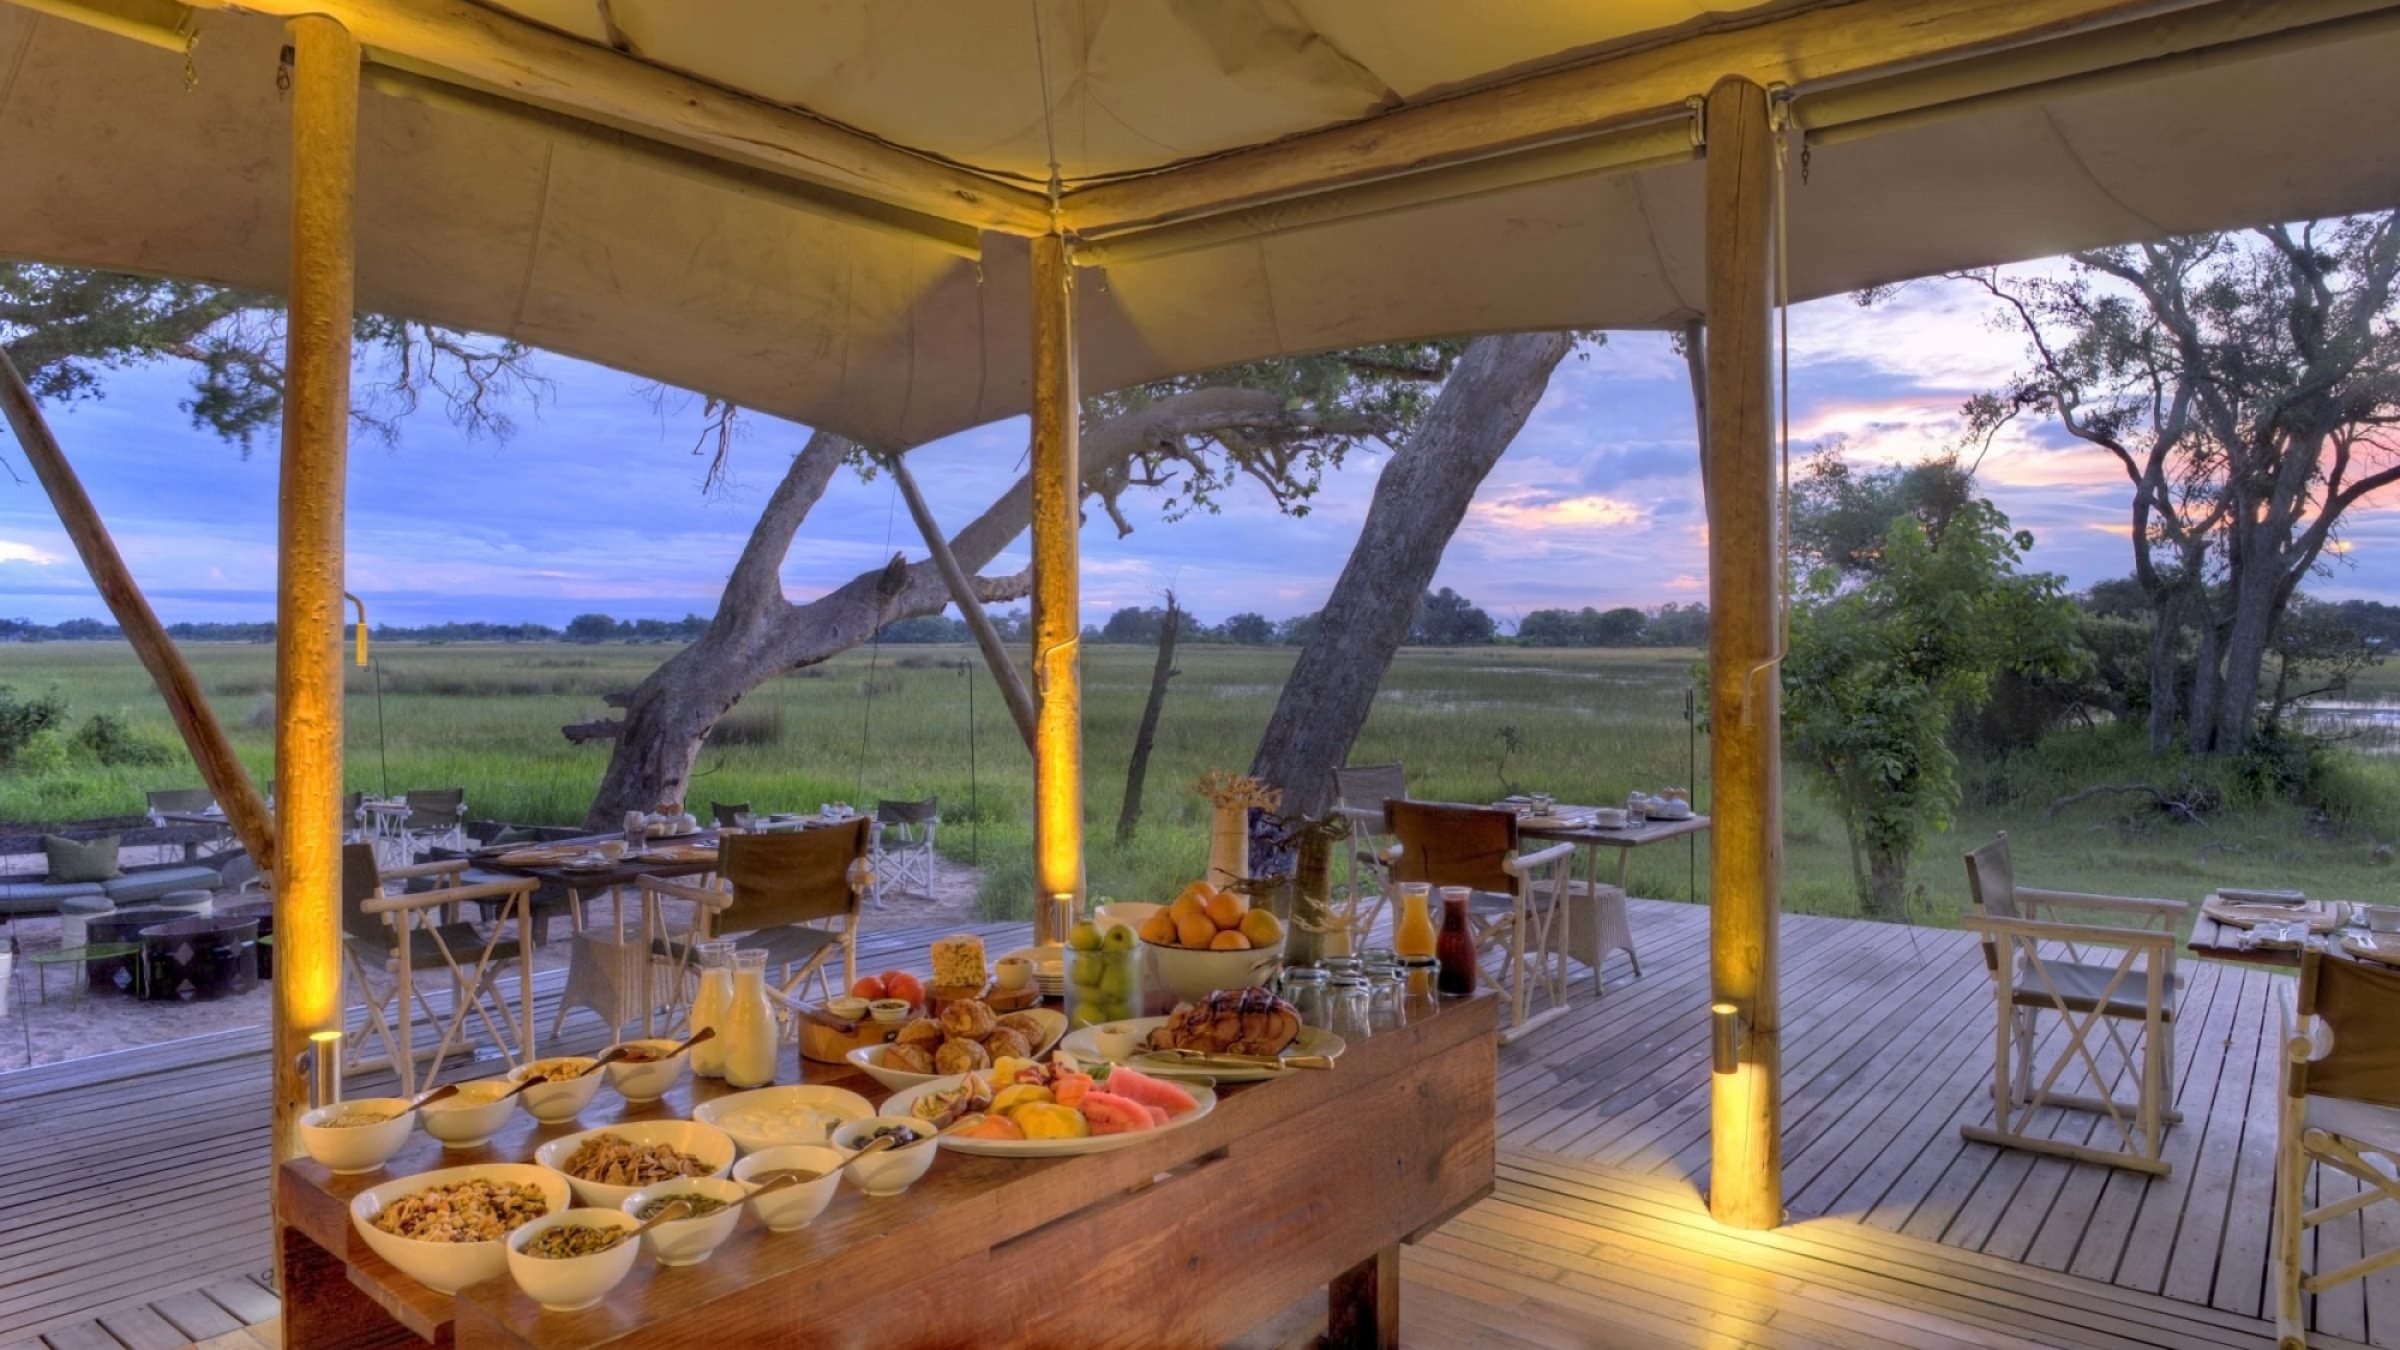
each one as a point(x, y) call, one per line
point(1231, 1021)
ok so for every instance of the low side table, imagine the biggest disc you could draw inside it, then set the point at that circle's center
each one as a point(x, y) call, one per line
point(110, 954)
point(262, 913)
point(120, 927)
point(216, 957)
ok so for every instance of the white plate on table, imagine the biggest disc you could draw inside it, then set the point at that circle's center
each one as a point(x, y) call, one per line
point(869, 1058)
point(769, 1117)
point(1311, 1041)
point(903, 1104)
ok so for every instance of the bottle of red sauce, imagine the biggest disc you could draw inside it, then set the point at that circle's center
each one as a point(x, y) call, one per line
point(1454, 947)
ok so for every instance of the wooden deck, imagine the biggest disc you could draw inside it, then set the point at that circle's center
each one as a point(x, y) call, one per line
point(1903, 1234)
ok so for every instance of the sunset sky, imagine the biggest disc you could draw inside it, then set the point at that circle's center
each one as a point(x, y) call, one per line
point(595, 503)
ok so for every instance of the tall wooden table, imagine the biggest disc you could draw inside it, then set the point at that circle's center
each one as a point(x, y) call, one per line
point(1189, 1237)
point(1592, 839)
point(2223, 941)
point(605, 973)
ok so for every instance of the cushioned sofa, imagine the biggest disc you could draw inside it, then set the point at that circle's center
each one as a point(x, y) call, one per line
point(53, 895)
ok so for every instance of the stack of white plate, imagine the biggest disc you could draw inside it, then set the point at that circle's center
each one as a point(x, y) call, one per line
point(1049, 969)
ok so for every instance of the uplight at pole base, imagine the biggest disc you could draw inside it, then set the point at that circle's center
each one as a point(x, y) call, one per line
point(325, 1076)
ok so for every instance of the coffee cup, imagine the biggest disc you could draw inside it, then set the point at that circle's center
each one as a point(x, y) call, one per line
point(1013, 972)
point(2382, 918)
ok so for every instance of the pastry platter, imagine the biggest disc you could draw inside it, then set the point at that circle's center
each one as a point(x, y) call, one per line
point(1083, 1044)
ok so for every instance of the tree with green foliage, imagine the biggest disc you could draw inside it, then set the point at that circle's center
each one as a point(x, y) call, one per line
point(1897, 631)
point(1248, 630)
point(2246, 384)
point(22, 719)
point(1447, 619)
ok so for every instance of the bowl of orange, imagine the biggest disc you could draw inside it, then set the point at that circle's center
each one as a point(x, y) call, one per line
point(1207, 940)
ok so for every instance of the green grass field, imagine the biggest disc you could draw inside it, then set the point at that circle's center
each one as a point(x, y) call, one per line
point(1593, 724)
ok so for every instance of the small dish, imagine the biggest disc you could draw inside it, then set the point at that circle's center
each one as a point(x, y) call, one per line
point(894, 1169)
point(891, 1012)
point(352, 1149)
point(848, 1007)
point(793, 1206)
point(688, 1242)
point(1117, 1041)
point(569, 1283)
point(470, 1119)
point(561, 1099)
point(2380, 918)
point(776, 1117)
point(647, 1082)
point(1013, 973)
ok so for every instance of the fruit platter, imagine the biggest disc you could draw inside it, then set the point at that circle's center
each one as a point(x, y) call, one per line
point(1052, 1108)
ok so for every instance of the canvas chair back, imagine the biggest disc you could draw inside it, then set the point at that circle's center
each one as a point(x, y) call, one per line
point(436, 808)
point(797, 877)
point(1368, 786)
point(905, 814)
point(1447, 845)
point(2357, 1005)
point(724, 812)
point(181, 799)
point(360, 878)
point(1992, 884)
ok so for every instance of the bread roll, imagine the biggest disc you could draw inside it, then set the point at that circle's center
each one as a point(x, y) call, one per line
point(969, 1019)
point(961, 1056)
point(907, 1058)
point(923, 1031)
point(1007, 1041)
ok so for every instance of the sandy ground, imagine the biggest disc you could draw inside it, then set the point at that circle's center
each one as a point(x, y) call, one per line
point(70, 1022)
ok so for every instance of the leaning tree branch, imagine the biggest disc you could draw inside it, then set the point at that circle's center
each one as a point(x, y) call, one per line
point(970, 605)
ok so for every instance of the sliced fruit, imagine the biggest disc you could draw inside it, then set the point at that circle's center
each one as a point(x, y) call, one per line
point(1112, 1114)
point(1015, 1095)
point(1068, 1088)
point(1048, 1120)
point(993, 1127)
point(1135, 1085)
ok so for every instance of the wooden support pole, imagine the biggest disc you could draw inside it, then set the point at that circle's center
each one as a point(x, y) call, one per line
point(1745, 1186)
point(227, 780)
point(1057, 605)
point(970, 605)
point(308, 599)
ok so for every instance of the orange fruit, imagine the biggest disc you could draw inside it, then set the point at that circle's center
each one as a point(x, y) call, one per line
point(1260, 926)
point(1185, 906)
point(1194, 930)
point(1231, 940)
point(869, 987)
point(1159, 928)
point(902, 985)
point(1225, 909)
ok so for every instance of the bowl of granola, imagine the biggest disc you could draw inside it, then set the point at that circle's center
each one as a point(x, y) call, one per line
point(606, 1166)
point(571, 1259)
point(448, 1228)
point(569, 1084)
point(358, 1135)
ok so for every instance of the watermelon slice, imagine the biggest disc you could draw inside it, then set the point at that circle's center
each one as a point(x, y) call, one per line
point(1112, 1114)
point(1149, 1091)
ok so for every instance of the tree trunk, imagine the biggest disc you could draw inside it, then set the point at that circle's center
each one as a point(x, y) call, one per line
point(2255, 616)
point(2166, 676)
point(1887, 873)
point(2208, 677)
point(757, 634)
point(1138, 768)
point(1419, 501)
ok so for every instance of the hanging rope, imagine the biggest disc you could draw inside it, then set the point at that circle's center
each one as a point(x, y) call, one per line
point(1041, 66)
point(1779, 122)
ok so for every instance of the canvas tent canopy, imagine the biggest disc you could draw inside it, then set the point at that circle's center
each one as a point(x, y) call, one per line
point(819, 210)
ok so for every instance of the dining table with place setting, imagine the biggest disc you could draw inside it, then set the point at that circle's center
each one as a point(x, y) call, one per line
point(2273, 928)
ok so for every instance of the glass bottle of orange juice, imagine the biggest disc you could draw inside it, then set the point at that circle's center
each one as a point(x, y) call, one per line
point(1414, 934)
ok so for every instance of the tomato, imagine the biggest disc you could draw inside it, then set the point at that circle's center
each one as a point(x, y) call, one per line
point(870, 987)
point(901, 984)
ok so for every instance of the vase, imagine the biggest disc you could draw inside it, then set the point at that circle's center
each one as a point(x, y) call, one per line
point(1228, 846)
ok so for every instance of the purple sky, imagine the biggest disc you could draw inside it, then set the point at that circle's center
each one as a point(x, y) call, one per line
point(595, 502)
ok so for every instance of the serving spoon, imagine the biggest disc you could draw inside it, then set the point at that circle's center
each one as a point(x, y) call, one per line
point(616, 1052)
point(442, 1093)
point(788, 1177)
point(680, 1209)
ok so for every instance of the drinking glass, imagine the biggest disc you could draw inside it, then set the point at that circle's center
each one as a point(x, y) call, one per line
point(1352, 1018)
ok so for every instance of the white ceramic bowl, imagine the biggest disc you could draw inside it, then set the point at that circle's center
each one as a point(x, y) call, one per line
point(1117, 1041)
point(771, 1117)
point(1187, 975)
point(895, 1169)
point(350, 1149)
point(712, 1146)
point(688, 1242)
point(561, 1099)
point(848, 1007)
point(1130, 913)
point(2382, 918)
point(648, 1082)
point(566, 1283)
point(471, 1118)
point(793, 1206)
point(447, 1267)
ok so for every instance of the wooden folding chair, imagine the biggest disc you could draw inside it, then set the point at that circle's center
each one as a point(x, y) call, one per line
point(778, 891)
point(2095, 977)
point(1359, 792)
point(902, 844)
point(389, 938)
point(1519, 922)
point(2339, 1108)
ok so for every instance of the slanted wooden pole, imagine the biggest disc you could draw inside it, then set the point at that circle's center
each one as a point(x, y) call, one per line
point(1745, 1185)
point(227, 780)
point(1057, 606)
point(308, 591)
point(970, 605)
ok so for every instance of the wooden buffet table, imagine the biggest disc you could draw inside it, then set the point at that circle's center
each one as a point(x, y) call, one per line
point(1190, 1237)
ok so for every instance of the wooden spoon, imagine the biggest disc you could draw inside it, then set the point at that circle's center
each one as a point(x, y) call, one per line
point(786, 1178)
point(616, 1052)
point(531, 1080)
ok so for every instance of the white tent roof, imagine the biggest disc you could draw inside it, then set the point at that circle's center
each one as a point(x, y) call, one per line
point(827, 287)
